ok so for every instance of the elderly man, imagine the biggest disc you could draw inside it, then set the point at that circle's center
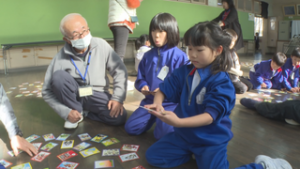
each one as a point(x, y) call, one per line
point(9, 120)
point(76, 80)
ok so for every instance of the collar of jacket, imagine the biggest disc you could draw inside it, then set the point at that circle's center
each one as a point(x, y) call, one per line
point(68, 48)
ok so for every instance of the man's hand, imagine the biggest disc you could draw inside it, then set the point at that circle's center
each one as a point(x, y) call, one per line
point(145, 90)
point(18, 142)
point(115, 108)
point(263, 85)
point(74, 116)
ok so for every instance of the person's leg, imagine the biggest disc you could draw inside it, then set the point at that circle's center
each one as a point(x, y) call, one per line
point(170, 151)
point(247, 83)
point(162, 128)
point(140, 121)
point(120, 34)
point(210, 157)
point(240, 87)
point(65, 88)
point(98, 110)
point(280, 111)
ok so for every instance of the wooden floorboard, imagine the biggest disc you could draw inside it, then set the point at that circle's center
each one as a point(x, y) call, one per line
point(253, 134)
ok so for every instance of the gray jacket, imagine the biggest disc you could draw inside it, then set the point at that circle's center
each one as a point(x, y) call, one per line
point(7, 115)
point(103, 58)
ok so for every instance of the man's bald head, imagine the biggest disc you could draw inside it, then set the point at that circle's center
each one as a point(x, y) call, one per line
point(72, 23)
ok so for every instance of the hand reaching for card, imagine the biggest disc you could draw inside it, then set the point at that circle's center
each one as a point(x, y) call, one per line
point(295, 90)
point(74, 116)
point(18, 142)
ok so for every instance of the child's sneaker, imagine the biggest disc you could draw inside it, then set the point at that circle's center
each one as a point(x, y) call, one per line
point(272, 163)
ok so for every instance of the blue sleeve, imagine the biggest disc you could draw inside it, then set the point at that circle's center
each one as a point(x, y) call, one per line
point(172, 86)
point(258, 74)
point(140, 81)
point(219, 98)
point(286, 83)
point(182, 60)
point(296, 78)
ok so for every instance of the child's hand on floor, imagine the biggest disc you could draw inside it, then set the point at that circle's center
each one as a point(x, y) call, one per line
point(263, 85)
point(294, 90)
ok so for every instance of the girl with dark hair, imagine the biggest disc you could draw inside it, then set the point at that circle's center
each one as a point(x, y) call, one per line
point(156, 65)
point(142, 45)
point(229, 19)
point(205, 97)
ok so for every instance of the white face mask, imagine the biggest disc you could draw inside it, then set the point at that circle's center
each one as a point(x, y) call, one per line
point(83, 42)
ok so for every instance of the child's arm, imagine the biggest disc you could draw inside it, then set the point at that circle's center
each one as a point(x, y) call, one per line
point(286, 83)
point(140, 81)
point(195, 121)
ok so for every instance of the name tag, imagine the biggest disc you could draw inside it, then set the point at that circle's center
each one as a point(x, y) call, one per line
point(85, 91)
point(163, 73)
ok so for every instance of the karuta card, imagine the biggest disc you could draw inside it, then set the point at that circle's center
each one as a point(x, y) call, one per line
point(277, 94)
point(40, 156)
point(5, 163)
point(110, 152)
point(27, 95)
point(37, 145)
point(49, 146)
point(11, 153)
point(67, 144)
point(89, 152)
point(25, 92)
point(19, 95)
point(13, 88)
point(98, 138)
point(128, 157)
point(32, 138)
point(82, 146)
point(130, 147)
point(139, 167)
point(67, 155)
point(84, 136)
point(67, 165)
point(23, 88)
point(278, 101)
point(104, 164)
point(252, 94)
point(49, 137)
point(22, 166)
point(110, 141)
point(8, 92)
point(63, 137)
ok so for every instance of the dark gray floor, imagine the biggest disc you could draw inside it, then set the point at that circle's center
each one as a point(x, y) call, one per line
point(253, 134)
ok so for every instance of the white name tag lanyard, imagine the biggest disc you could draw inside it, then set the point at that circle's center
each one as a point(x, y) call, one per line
point(164, 70)
point(84, 90)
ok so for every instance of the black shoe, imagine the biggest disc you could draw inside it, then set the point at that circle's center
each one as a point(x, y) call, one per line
point(249, 103)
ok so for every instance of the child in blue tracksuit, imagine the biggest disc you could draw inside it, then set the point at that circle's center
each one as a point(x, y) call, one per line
point(268, 74)
point(205, 97)
point(156, 64)
point(291, 71)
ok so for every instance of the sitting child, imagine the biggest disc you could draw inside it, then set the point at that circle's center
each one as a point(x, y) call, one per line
point(240, 84)
point(142, 45)
point(291, 71)
point(268, 74)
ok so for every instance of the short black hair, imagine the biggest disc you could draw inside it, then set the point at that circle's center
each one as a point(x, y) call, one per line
point(141, 41)
point(279, 58)
point(165, 22)
point(211, 35)
point(230, 3)
point(296, 52)
point(231, 33)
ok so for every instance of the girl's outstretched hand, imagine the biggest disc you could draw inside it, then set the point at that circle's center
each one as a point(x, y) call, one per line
point(168, 117)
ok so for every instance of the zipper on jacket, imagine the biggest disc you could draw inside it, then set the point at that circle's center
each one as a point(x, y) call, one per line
point(190, 94)
point(157, 59)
